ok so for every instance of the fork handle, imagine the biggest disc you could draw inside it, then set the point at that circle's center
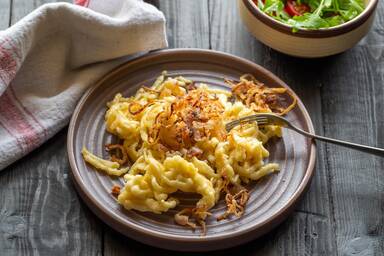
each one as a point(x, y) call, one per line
point(360, 147)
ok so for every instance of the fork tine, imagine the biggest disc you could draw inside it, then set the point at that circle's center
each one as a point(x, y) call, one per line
point(258, 119)
point(253, 118)
point(261, 120)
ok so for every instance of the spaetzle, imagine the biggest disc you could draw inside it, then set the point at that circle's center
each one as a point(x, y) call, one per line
point(174, 135)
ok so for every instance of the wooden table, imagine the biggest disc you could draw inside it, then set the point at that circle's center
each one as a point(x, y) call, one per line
point(343, 211)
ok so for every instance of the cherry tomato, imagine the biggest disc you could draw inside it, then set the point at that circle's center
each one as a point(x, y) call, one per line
point(295, 9)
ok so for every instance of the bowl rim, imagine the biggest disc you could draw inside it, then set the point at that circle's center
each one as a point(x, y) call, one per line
point(138, 231)
point(318, 33)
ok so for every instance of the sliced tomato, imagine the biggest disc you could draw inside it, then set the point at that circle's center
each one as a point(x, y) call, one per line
point(295, 9)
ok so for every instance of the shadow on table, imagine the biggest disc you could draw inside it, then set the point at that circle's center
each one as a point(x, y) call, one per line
point(301, 73)
point(117, 244)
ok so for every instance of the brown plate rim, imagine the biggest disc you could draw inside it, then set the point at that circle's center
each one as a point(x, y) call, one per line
point(113, 220)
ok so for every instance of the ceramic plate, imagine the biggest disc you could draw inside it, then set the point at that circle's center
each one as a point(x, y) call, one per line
point(272, 199)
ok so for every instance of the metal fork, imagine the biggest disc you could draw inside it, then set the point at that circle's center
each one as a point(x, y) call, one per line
point(272, 119)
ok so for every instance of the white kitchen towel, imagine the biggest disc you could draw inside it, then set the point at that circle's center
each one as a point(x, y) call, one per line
point(50, 57)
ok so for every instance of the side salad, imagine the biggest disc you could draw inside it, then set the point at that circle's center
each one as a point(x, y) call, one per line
point(311, 14)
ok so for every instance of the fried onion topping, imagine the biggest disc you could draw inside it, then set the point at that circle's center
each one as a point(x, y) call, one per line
point(260, 98)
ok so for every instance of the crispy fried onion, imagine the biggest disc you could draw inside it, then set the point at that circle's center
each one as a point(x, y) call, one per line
point(193, 117)
point(197, 214)
point(236, 199)
point(121, 156)
point(190, 86)
point(135, 108)
point(194, 152)
point(260, 98)
point(115, 190)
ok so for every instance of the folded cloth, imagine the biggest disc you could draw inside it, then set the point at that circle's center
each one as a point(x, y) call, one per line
point(50, 57)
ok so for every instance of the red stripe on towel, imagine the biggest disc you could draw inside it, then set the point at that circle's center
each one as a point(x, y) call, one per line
point(13, 120)
point(28, 112)
point(8, 64)
point(84, 3)
point(12, 117)
point(8, 57)
point(14, 48)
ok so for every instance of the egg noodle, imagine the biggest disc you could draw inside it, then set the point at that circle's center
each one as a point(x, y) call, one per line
point(174, 135)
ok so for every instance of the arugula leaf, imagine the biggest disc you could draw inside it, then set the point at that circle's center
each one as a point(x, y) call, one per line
point(328, 3)
point(323, 14)
point(260, 4)
point(334, 20)
point(313, 4)
point(275, 8)
point(347, 5)
point(357, 5)
point(308, 20)
point(349, 9)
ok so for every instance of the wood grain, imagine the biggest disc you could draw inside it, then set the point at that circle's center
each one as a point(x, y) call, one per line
point(40, 213)
point(20, 8)
point(183, 18)
point(5, 12)
point(356, 114)
point(310, 228)
point(343, 211)
point(187, 23)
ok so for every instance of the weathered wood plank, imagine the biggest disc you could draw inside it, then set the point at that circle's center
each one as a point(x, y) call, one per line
point(312, 219)
point(40, 212)
point(187, 26)
point(5, 11)
point(341, 214)
point(21, 8)
point(309, 230)
point(353, 95)
point(187, 23)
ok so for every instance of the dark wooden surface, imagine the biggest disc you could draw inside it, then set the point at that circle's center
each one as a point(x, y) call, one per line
point(343, 211)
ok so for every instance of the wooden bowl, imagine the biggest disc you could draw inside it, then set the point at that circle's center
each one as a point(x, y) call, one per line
point(306, 43)
point(271, 200)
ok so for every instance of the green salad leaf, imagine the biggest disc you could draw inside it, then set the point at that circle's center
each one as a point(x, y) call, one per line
point(327, 3)
point(322, 14)
point(275, 8)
